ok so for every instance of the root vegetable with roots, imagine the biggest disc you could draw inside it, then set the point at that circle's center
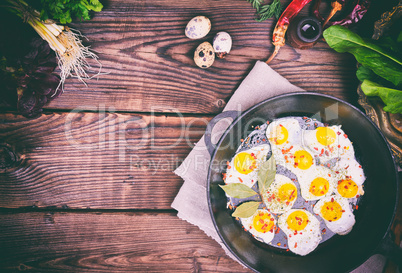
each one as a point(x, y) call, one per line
point(72, 55)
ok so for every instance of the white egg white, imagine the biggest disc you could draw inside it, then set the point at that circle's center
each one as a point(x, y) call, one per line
point(233, 176)
point(316, 172)
point(303, 241)
point(265, 237)
point(271, 198)
point(342, 225)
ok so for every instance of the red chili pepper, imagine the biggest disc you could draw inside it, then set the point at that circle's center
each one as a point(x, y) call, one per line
point(278, 36)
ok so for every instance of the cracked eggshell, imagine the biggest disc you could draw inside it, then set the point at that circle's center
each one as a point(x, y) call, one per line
point(222, 44)
point(204, 55)
point(198, 27)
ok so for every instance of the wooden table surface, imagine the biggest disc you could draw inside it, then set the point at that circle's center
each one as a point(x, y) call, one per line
point(93, 187)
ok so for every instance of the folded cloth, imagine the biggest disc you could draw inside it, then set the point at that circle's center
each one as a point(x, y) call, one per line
point(191, 202)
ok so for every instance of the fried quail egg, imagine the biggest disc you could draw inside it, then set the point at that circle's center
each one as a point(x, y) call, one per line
point(317, 182)
point(281, 194)
point(327, 142)
point(337, 214)
point(244, 166)
point(350, 178)
point(302, 229)
point(283, 132)
point(262, 225)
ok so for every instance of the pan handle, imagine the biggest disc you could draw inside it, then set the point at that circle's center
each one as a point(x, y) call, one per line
point(389, 249)
point(208, 133)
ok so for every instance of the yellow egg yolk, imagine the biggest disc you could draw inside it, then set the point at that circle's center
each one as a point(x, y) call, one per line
point(245, 163)
point(319, 186)
point(279, 135)
point(263, 222)
point(347, 188)
point(325, 136)
point(331, 211)
point(297, 220)
point(303, 159)
point(287, 192)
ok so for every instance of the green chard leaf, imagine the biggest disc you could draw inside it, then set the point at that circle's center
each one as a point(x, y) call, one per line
point(266, 174)
point(366, 53)
point(391, 97)
point(238, 190)
point(246, 209)
point(364, 73)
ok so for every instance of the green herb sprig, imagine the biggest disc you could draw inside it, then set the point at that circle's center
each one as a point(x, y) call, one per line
point(264, 12)
point(65, 10)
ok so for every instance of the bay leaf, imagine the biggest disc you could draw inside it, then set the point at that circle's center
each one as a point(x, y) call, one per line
point(246, 209)
point(266, 174)
point(238, 190)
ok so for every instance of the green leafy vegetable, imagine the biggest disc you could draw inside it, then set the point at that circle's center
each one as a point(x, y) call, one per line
point(364, 73)
point(391, 97)
point(238, 190)
point(246, 209)
point(64, 10)
point(266, 174)
point(368, 54)
point(264, 12)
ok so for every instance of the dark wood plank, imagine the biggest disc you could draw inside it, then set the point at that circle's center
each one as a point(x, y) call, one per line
point(96, 160)
point(149, 60)
point(107, 242)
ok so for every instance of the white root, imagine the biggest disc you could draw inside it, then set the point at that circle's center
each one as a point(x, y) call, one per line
point(73, 62)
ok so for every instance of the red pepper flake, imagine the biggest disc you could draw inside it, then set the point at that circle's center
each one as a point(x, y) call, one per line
point(357, 207)
point(324, 230)
point(357, 196)
point(240, 180)
point(338, 133)
point(315, 148)
point(287, 249)
point(296, 245)
point(328, 165)
point(332, 199)
point(277, 231)
point(241, 140)
point(284, 245)
point(339, 146)
point(345, 135)
point(360, 166)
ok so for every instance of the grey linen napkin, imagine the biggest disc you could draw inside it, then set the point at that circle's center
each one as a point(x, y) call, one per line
point(191, 202)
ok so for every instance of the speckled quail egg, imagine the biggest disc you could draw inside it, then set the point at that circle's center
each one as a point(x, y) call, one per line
point(198, 27)
point(222, 44)
point(204, 55)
